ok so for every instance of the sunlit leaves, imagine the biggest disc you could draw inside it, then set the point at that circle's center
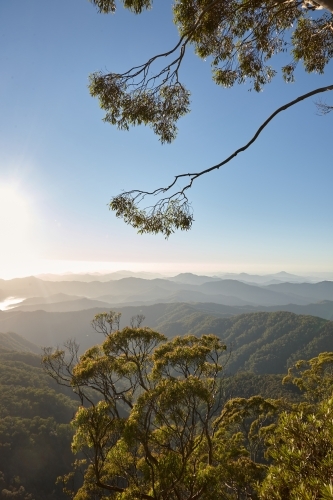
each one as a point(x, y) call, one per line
point(94, 427)
point(150, 435)
point(164, 218)
point(313, 43)
point(189, 355)
point(302, 450)
point(301, 445)
point(313, 377)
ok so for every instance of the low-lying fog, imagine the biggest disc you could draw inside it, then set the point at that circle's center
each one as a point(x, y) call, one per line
point(9, 302)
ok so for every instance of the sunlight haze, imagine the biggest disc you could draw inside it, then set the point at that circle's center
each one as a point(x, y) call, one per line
point(270, 209)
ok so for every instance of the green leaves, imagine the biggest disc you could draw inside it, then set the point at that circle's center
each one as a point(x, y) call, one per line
point(302, 450)
point(105, 6)
point(189, 356)
point(130, 104)
point(314, 377)
point(150, 434)
point(301, 445)
point(155, 423)
point(313, 43)
point(109, 6)
point(240, 39)
point(165, 217)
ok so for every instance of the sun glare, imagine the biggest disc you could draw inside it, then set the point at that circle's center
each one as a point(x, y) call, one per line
point(15, 229)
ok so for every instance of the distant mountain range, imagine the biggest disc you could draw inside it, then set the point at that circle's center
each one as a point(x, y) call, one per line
point(188, 278)
point(269, 278)
point(98, 276)
point(78, 295)
point(53, 311)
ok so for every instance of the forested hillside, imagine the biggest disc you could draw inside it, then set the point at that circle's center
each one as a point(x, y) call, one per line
point(14, 342)
point(35, 434)
point(261, 342)
point(170, 425)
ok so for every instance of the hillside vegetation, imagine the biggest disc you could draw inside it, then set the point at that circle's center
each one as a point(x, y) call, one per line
point(35, 434)
point(261, 342)
point(14, 342)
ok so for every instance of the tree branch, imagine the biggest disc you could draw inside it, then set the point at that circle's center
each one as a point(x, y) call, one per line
point(254, 138)
point(174, 211)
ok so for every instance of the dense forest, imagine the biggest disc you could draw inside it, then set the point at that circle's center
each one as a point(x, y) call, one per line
point(35, 434)
point(264, 342)
point(40, 425)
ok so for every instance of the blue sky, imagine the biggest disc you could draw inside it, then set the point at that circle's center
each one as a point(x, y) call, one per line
point(268, 210)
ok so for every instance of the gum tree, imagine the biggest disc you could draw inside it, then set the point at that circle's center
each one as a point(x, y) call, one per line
point(301, 446)
point(240, 38)
point(153, 422)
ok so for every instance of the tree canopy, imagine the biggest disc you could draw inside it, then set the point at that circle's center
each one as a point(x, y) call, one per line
point(35, 434)
point(240, 39)
point(157, 431)
point(156, 423)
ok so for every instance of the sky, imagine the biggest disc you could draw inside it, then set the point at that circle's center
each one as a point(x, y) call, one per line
point(268, 210)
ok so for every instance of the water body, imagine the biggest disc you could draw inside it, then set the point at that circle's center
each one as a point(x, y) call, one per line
point(10, 302)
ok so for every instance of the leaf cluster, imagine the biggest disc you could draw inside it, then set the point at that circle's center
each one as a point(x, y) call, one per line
point(165, 217)
point(239, 37)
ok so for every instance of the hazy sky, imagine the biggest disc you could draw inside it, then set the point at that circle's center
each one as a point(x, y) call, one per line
point(267, 211)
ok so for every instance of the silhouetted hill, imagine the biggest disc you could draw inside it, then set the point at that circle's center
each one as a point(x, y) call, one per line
point(99, 276)
point(280, 277)
point(68, 305)
point(309, 291)
point(192, 279)
point(13, 342)
point(138, 291)
point(50, 299)
point(255, 295)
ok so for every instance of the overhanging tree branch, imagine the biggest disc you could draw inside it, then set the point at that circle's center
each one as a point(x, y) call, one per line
point(239, 37)
point(173, 211)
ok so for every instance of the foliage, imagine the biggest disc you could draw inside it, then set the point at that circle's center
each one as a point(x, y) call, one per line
point(302, 450)
point(240, 38)
point(162, 424)
point(301, 445)
point(263, 343)
point(34, 432)
point(314, 377)
point(158, 431)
